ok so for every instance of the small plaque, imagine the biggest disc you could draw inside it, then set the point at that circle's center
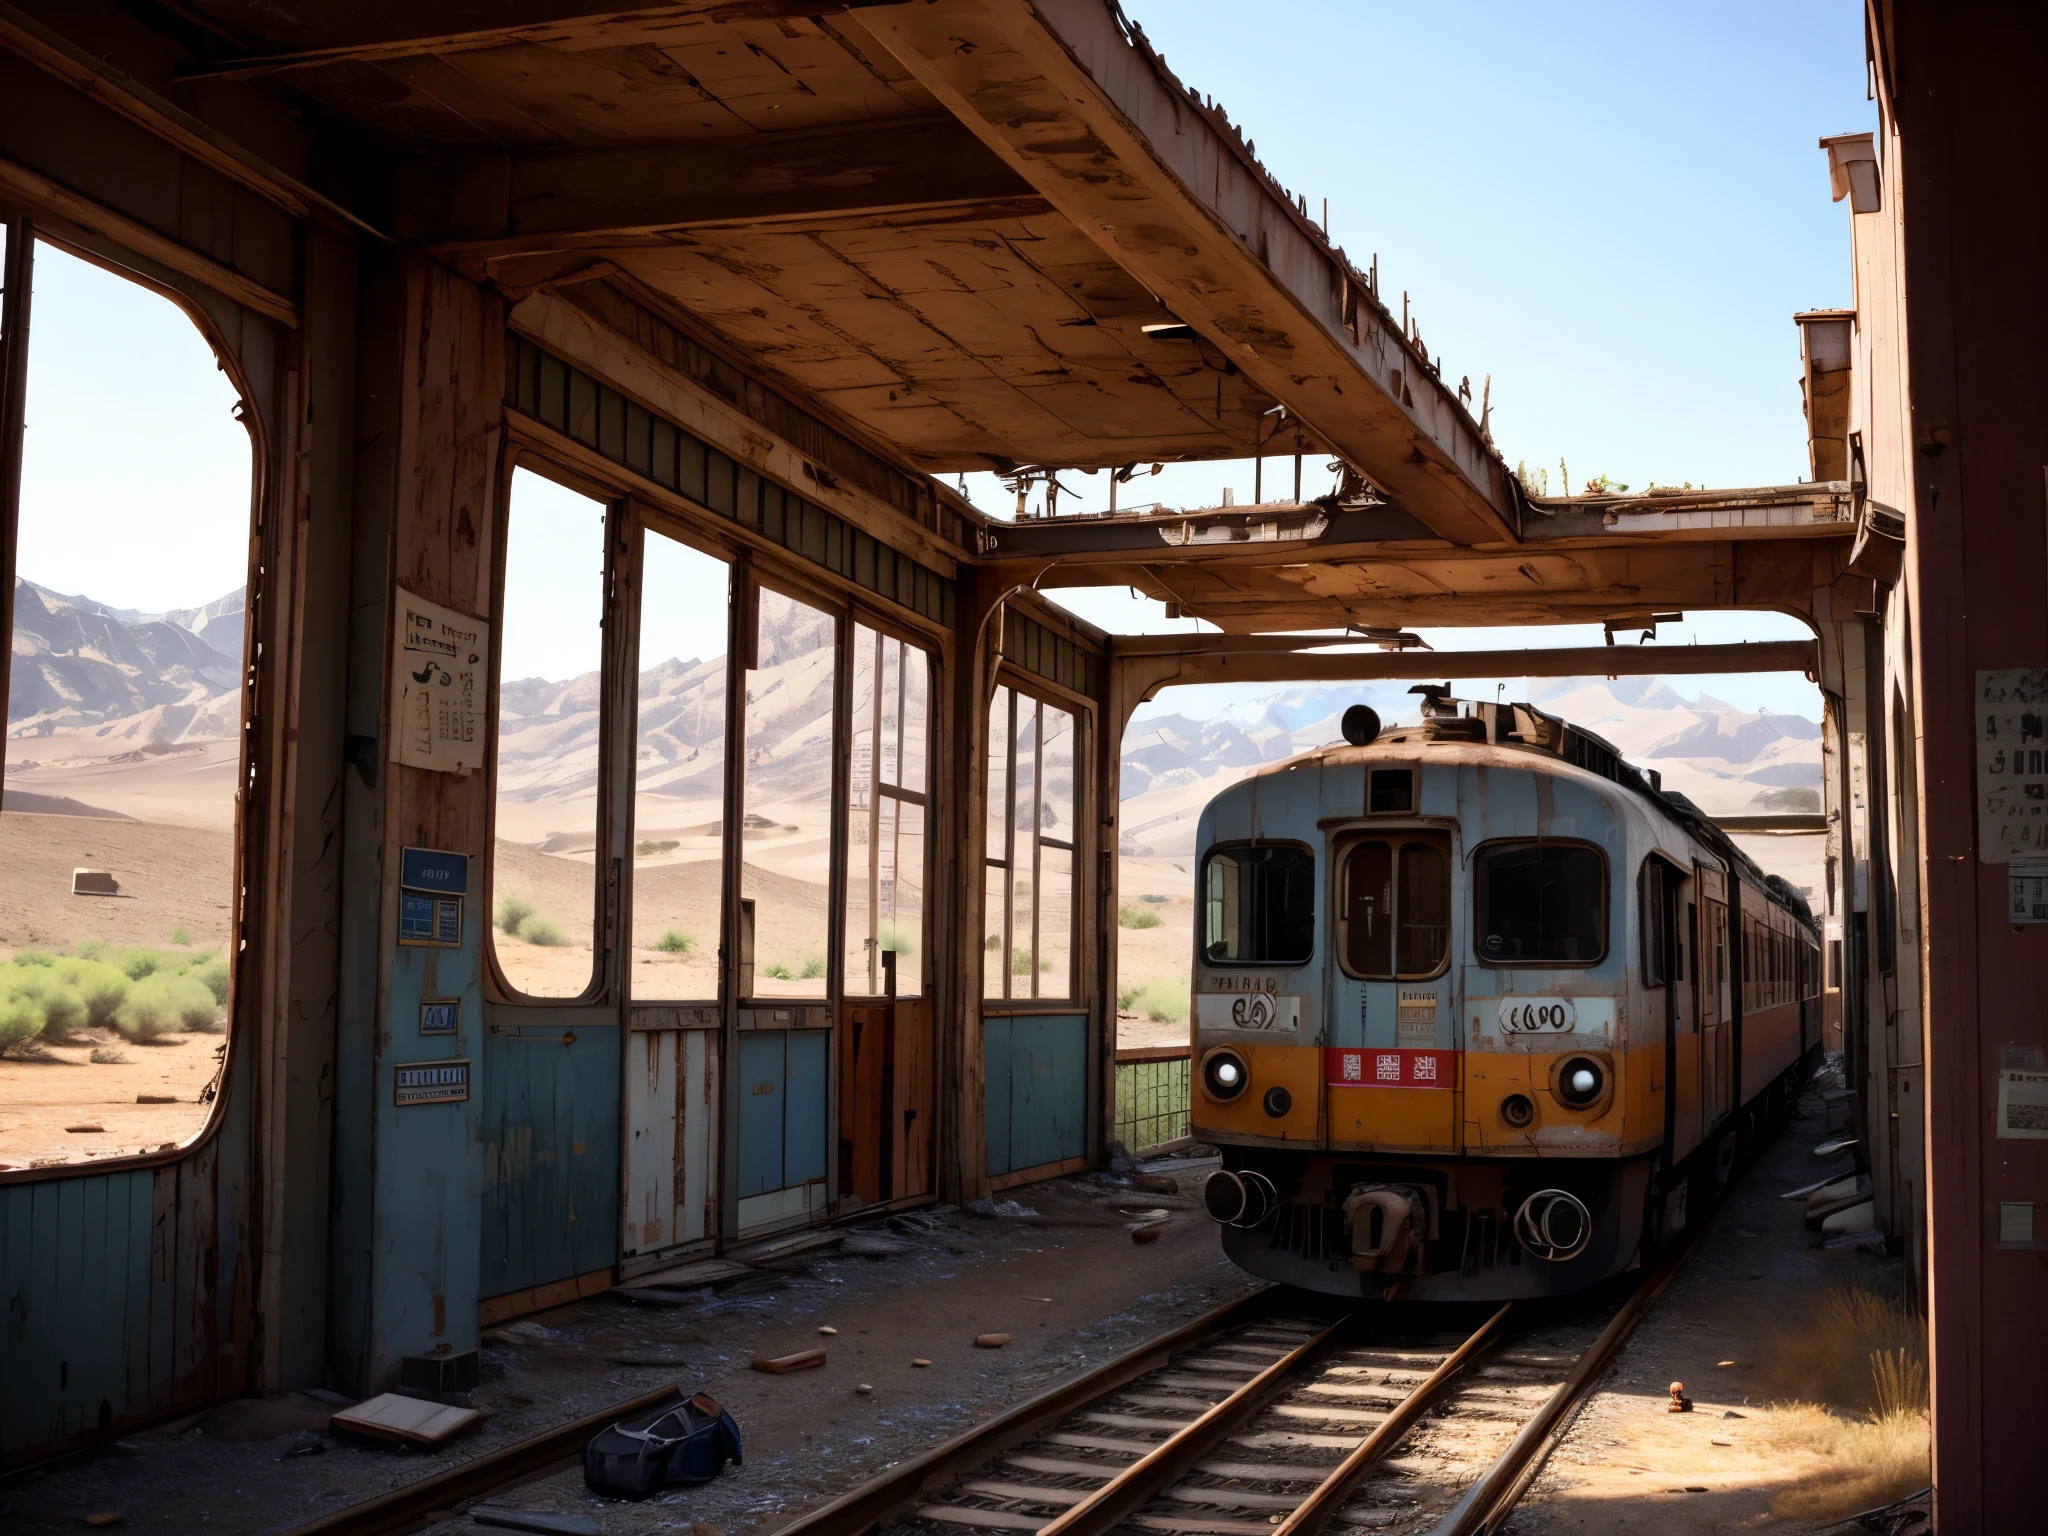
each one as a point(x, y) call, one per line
point(1537, 1016)
point(431, 1082)
point(434, 922)
point(425, 869)
point(439, 1015)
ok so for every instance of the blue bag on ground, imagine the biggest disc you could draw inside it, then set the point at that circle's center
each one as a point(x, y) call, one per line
point(689, 1443)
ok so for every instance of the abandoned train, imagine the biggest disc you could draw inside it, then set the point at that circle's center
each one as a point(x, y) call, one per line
point(1479, 1009)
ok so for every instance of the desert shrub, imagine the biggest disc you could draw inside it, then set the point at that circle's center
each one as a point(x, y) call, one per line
point(535, 928)
point(512, 911)
point(100, 986)
point(1827, 1357)
point(901, 937)
point(674, 941)
point(181, 934)
point(162, 1005)
point(810, 967)
point(777, 971)
point(1128, 916)
point(1160, 999)
point(211, 971)
point(649, 847)
point(139, 961)
point(42, 989)
point(93, 949)
point(21, 1020)
point(1020, 963)
point(34, 957)
point(1155, 898)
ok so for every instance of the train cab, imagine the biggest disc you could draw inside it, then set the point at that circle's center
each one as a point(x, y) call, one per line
point(1478, 1010)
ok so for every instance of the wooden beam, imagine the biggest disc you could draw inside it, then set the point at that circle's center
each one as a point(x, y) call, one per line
point(573, 23)
point(598, 198)
point(1433, 666)
point(61, 203)
point(1091, 118)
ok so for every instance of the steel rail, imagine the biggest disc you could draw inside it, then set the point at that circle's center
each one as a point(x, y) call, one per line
point(860, 1508)
point(1311, 1514)
point(1489, 1501)
point(403, 1508)
point(1126, 1492)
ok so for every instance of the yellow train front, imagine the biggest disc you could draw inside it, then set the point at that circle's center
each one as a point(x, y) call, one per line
point(1480, 1012)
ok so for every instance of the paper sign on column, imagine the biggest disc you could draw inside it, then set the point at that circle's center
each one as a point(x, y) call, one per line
point(437, 686)
point(2022, 1106)
point(2012, 764)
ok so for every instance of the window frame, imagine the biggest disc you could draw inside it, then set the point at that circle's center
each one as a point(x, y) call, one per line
point(1201, 899)
point(1392, 838)
point(861, 618)
point(1073, 996)
point(648, 519)
point(1414, 773)
point(1606, 904)
point(255, 789)
point(621, 523)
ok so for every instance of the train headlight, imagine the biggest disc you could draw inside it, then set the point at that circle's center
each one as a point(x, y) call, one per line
point(1581, 1081)
point(1224, 1074)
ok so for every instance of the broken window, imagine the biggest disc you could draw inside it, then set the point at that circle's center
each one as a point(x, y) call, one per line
point(679, 771)
point(1540, 903)
point(785, 832)
point(118, 920)
point(1030, 852)
point(545, 850)
point(1259, 904)
point(885, 816)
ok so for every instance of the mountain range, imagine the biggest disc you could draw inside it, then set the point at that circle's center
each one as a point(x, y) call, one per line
point(1726, 759)
point(162, 677)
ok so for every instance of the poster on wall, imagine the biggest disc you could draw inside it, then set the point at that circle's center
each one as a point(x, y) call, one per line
point(438, 658)
point(2012, 764)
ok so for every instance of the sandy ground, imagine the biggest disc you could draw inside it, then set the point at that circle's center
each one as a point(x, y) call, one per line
point(1065, 1281)
point(58, 1105)
point(171, 877)
point(1628, 1464)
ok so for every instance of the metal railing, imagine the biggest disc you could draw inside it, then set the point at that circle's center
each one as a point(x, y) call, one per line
point(1152, 1097)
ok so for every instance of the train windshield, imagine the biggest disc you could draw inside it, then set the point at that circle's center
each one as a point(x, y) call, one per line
point(1541, 904)
point(1259, 905)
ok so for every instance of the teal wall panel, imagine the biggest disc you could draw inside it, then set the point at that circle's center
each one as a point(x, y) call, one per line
point(550, 1128)
point(75, 1283)
point(996, 1035)
point(807, 1072)
point(761, 1094)
point(1036, 1085)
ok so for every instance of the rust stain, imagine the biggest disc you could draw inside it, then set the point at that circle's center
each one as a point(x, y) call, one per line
point(440, 1314)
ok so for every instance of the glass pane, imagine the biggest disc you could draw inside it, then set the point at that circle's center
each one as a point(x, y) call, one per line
point(1025, 809)
point(679, 771)
point(902, 910)
point(1369, 918)
point(1056, 799)
point(1259, 906)
point(786, 823)
point(124, 726)
point(863, 811)
point(916, 711)
point(999, 775)
point(1541, 903)
point(1023, 937)
point(1425, 910)
point(551, 650)
point(995, 906)
point(1055, 922)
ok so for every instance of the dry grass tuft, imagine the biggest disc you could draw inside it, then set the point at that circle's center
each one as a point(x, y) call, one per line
point(1865, 1354)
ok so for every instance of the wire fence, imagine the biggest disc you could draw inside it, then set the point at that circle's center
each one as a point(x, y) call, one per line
point(1151, 1097)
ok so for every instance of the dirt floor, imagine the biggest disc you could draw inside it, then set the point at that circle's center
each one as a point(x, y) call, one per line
point(1056, 1269)
point(1780, 1436)
point(82, 1097)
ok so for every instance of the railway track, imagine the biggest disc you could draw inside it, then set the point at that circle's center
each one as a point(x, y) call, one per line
point(1258, 1419)
point(1271, 1421)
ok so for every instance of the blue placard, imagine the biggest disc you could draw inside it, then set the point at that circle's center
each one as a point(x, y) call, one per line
point(415, 918)
point(439, 1015)
point(424, 869)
